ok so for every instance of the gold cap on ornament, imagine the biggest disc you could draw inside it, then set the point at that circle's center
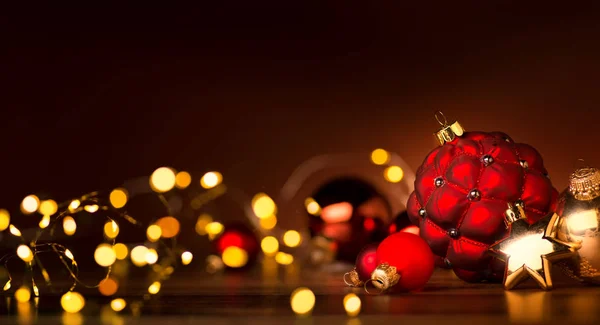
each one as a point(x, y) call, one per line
point(513, 213)
point(448, 132)
point(584, 183)
point(384, 277)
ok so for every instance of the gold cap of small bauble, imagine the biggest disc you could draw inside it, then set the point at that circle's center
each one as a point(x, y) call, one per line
point(584, 183)
point(448, 132)
point(384, 277)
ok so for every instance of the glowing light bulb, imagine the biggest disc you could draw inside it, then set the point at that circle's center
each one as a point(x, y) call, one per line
point(138, 255)
point(186, 258)
point(4, 219)
point(118, 304)
point(292, 238)
point(393, 174)
point(48, 207)
point(23, 294)
point(183, 180)
point(108, 287)
point(121, 251)
point(25, 253)
point(284, 258)
point(169, 226)
point(213, 229)
point(72, 302)
point(151, 256)
point(352, 304)
point(30, 204)
point(7, 286)
point(268, 223)
point(45, 222)
point(69, 226)
point(111, 229)
point(91, 208)
point(269, 245)
point(69, 254)
point(14, 231)
point(163, 180)
point(312, 207)
point(263, 206)
point(235, 257)
point(211, 179)
point(118, 198)
point(153, 233)
point(203, 221)
point(105, 255)
point(302, 301)
point(154, 288)
point(380, 157)
point(74, 205)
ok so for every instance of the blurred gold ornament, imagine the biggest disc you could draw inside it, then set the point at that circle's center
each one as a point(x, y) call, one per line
point(352, 279)
point(384, 277)
point(530, 250)
point(579, 210)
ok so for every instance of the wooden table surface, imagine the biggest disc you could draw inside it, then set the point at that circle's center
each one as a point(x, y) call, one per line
point(255, 297)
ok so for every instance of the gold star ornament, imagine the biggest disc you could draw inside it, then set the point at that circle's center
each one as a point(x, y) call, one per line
point(530, 250)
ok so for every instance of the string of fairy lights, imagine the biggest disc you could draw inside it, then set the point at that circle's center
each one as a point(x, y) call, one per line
point(159, 251)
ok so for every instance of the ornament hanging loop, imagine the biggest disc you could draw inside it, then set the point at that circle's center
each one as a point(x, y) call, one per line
point(439, 116)
point(352, 279)
point(581, 164)
point(448, 132)
point(367, 290)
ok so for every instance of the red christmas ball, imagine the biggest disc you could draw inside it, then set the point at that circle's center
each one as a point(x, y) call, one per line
point(412, 258)
point(366, 261)
point(240, 236)
point(462, 190)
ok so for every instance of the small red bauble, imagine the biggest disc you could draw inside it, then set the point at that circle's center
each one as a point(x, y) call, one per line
point(366, 261)
point(462, 190)
point(412, 258)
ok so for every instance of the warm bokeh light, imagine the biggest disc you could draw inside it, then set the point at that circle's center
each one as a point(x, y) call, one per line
point(118, 197)
point(72, 302)
point(138, 255)
point(14, 231)
point(23, 294)
point(292, 238)
point(4, 219)
point(48, 207)
point(183, 180)
point(111, 229)
point(380, 157)
point(263, 206)
point(108, 287)
point(91, 208)
point(7, 286)
point(214, 228)
point(169, 226)
point(105, 255)
point(214, 264)
point(203, 221)
point(312, 207)
point(337, 212)
point(235, 257)
point(352, 304)
point(151, 256)
point(302, 301)
point(163, 180)
point(411, 229)
point(25, 253)
point(186, 258)
point(45, 222)
point(69, 226)
point(284, 258)
point(154, 288)
point(121, 251)
point(153, 233)
point(269, 245)
point(393, 174)
point(69, 255)
point(118, 304)
point(268, 223)
point(30, 204)
point(211, 179)
point(74, 205)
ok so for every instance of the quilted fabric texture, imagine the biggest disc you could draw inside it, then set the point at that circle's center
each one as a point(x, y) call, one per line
point(462, 190)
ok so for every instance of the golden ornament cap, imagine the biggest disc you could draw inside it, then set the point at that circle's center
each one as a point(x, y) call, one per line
point(448, 132)
point(513, 213)
point(384, 277)
point(352, 279)
point(584, 183)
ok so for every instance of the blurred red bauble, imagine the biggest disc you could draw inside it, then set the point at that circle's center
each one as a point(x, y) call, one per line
point(240, 236)
point(366, 261)
point(462, 190)
point(412, 258)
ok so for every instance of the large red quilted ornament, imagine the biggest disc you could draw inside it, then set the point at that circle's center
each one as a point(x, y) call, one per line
point(462, 190)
